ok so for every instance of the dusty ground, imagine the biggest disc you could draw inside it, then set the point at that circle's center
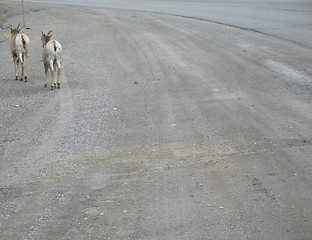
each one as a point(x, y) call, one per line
point(164, 128)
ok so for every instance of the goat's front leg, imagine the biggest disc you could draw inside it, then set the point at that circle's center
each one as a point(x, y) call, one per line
point(15, 59)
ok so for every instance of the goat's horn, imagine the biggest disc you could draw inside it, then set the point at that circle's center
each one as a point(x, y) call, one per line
point(18, 25)
point(49, 32)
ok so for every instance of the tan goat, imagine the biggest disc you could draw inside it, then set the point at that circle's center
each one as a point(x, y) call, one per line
point(52, 59)
point(19, 50)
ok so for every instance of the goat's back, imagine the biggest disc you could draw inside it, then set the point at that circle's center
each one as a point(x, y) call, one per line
point(20, 43)
point(53, 49)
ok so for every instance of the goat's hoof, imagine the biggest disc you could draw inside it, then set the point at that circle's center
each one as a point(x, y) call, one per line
point(45, 85)
point(22, 79)
point(58, 85)
point(25, 79)
point(52, 87)
point(16, 78)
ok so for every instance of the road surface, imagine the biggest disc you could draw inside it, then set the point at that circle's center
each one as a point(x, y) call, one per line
point(165, 127)
point(286, 19)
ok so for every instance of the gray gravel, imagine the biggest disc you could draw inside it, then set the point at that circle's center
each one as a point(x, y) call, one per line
point(164, 128)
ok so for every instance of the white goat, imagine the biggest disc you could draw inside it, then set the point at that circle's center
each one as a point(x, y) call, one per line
point(52, 57)
point(19, 50)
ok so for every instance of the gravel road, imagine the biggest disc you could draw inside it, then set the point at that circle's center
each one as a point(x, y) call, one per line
point(164, 128)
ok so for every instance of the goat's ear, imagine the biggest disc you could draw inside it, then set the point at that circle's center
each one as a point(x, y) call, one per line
point(42, 33)
point(49, 33)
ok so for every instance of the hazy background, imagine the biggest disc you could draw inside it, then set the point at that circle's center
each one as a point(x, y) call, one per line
point(286, 19)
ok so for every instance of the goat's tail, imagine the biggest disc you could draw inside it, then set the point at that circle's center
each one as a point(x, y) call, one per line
point(54, 45)
point(24, 42)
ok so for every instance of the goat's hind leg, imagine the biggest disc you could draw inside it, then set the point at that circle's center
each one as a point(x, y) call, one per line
point(16, 66)
point(46, 71)
point(53, 83)
point(24, 75)
point(58, 65)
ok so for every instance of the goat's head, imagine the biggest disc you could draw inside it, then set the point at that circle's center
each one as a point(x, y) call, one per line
point(45, 38)
point(15, 31)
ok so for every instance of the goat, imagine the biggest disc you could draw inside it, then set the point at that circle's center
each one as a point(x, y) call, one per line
point(52, 57)
point(19, 50)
